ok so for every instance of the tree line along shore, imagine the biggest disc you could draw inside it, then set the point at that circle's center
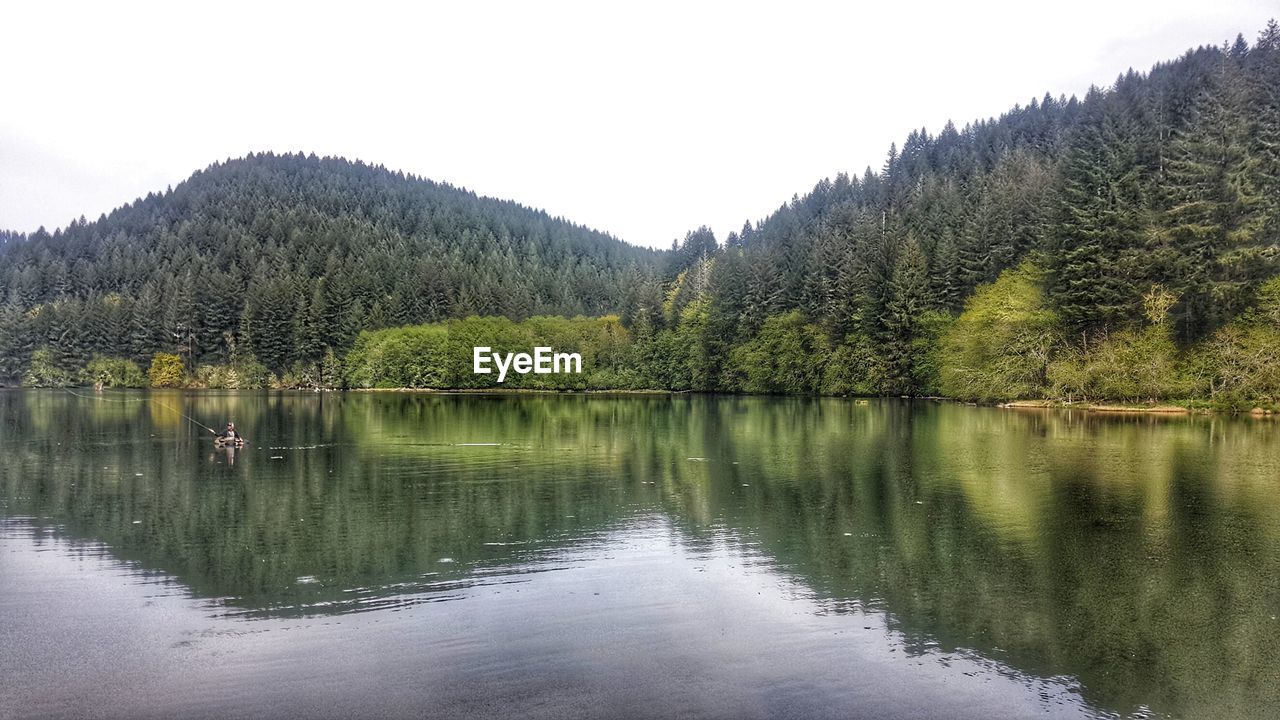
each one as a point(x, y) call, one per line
point(1006, 347)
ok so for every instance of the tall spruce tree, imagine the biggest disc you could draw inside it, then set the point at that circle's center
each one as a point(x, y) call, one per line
point(907, 302)
point(1263, 107)
point(1212, 217)
point(1098, 237)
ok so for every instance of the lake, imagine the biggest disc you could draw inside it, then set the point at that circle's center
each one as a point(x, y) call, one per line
point(433, 555)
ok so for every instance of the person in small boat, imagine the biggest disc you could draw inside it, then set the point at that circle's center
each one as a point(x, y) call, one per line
point(230, 434)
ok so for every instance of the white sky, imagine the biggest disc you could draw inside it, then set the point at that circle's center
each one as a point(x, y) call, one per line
point(644, 120)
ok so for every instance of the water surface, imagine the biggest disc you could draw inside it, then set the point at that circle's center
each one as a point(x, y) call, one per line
point(387, 555)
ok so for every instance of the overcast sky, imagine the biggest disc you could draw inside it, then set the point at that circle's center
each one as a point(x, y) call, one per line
point(644, 120)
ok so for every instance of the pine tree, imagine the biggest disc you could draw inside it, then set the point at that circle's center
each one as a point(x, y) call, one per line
point(909, 289)
point(15, 348)
point(877, 255)
point(1212, 218)
point(180, 317)
point(146, 329)
point(1264, 132)
point(1100, 222)
point(945, 287)
point(763, 293)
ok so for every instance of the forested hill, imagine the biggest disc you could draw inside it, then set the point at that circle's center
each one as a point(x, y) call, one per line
point(1170, 177)
point(282, 256)
point(1124, 245)
point(1154, 202)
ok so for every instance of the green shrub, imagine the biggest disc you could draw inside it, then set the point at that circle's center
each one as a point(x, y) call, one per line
point(926, 355)
point(247, 374)
point(166, 371)
point(1130, 365)
point(665, 362)
point(1239, 365)
point(855, 368)
point(401, 357)
point(787, 356)
point(999, 348)
point(440, 355)
point(114, 372)
point(42, 371)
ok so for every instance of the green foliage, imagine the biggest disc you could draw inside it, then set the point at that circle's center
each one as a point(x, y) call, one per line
point(166, 371)
point(404, 357)
point(42, 371)
point(855, 368)
point(1099, 228)
point(926, 356)
point(331, 370)
point(1237, 367)
point(13, 353)
point(701, 350)
point(908, 301)
point(1213, 214)
point(999, 347)
point(115, 372)
point(440, 355)
point(1129, 365)
point(787, 356)
point(664, 361)
point(1134, 365)
point(246, 374)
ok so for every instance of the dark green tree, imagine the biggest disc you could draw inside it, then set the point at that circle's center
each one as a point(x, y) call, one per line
point(1099, 232)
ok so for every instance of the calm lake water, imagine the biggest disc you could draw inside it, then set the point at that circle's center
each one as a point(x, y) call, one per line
point(398, 555)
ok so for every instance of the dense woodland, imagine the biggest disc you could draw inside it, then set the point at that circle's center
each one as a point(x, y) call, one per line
point(1121, 246)
point(279, 258)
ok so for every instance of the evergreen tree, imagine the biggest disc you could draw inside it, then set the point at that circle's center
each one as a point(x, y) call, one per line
point(1263, 108)
point(1213, 223)
point(905, 309)
point(1098, 235)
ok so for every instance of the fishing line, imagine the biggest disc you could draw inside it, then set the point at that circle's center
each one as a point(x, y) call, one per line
point(146, 399)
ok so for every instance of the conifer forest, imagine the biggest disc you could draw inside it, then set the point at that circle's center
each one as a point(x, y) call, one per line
point(1121, 246)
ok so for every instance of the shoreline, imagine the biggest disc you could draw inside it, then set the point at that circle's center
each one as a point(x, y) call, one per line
point(1119, 408)
point(1038, 404)
point(503, 391)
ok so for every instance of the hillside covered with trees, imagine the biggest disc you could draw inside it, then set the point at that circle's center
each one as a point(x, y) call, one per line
point(279, 259)
point(1135, 229)
point(1124, 245)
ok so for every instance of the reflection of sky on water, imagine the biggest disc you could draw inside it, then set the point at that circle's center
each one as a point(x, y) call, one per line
point(631, 620)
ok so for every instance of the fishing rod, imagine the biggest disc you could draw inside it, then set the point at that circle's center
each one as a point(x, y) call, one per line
point(146, 399)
